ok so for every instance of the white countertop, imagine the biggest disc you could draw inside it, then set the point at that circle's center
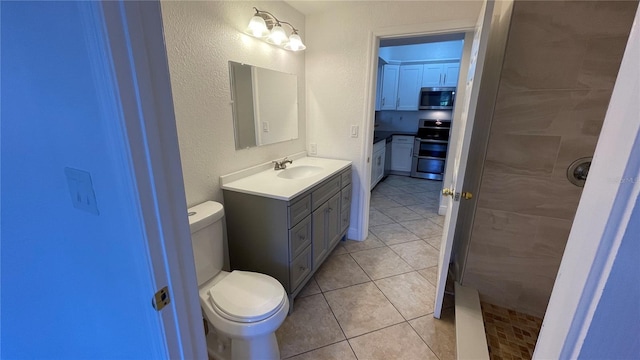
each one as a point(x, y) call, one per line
point(267, 183)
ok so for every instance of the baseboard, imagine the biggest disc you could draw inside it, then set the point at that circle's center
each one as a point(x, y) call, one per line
point(471, 341)
point(442, 210)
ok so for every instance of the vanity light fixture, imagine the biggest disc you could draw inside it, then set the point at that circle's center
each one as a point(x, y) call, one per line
point(266, 26)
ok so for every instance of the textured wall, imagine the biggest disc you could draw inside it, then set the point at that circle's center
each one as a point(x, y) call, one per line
point(561, 62)
point(201, 38)
point(336, 64)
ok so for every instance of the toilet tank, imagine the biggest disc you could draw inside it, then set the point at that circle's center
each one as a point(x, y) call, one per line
point(205, 221)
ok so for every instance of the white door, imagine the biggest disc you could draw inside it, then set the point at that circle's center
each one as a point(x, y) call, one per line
point(86, 241)
point(459, 158)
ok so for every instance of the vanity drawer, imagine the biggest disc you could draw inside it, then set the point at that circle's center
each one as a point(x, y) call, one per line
point(299, 238)
point(345, 198)
point(300, 268)
point(346, 177)
point(299, 210)
point(323, 193)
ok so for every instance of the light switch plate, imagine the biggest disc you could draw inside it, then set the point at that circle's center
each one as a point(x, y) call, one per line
point(354, 131)
point(265, 126)
point(81, 190)
point(313, 149)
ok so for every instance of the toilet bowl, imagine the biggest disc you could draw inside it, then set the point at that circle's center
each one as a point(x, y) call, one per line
point(244, 308)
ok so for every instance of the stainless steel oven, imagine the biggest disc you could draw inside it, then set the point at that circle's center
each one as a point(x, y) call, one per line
point(430, 149)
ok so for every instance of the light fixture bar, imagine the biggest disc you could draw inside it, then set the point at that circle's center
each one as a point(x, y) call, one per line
point(264, 24)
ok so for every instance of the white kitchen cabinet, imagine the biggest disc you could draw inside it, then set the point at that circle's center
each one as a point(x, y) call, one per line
point(440, 74)
point(389, 94)
point(401, 154)
point(377, 163)
point(379, 84)
point(400, 87)
point(409, 84)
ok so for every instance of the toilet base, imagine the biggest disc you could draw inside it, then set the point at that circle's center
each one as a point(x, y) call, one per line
point(220, 347)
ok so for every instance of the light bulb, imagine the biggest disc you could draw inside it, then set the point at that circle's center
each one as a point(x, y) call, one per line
point(257, 27)
point(277, 36)
point(295, 43)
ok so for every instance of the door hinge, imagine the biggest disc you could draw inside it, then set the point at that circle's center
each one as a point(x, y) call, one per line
point(161, 299)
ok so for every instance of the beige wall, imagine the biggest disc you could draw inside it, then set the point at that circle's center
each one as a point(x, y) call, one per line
point(561, 62)
point(337, 59)
point(201, 38)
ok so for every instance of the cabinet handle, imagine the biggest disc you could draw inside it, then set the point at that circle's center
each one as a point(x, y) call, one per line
point(397, 102)
point(445, 79)
point(302, 268)
point(383, 101)
point(440, 79)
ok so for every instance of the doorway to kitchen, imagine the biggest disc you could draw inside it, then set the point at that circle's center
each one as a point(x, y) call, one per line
point(416, 88)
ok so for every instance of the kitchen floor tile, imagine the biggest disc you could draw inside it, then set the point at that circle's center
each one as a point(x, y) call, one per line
point(383, 202)
point(381, 262)
point(311, 325)
point(393, 233)
point(401, 214)
point(378, 218)
point(423, 228)
point(434, 241)
point(395, 342)
point(361, 309)
point(437, 219)
point(425, 210)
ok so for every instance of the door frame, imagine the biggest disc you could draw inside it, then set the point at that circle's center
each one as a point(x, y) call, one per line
point(134, 37)
point(404, 31)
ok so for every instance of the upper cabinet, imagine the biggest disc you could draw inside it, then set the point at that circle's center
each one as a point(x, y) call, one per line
point(440, 74)
point(409, 87)
point(389, 88)
point(400, 87)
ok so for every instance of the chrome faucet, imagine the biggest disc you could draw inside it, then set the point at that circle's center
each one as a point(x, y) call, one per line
point(281, 165)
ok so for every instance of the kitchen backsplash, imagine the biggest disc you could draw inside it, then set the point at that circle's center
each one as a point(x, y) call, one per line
point(406, 120)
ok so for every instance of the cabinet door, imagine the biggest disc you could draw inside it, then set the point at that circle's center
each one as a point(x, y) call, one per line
point(451, 72)
point(409, 84)
point(333, 223)
point(319, 220)
point(389, 87)
point(379, 85)
point(377, 168)
point(401, 153)
point(431, 75)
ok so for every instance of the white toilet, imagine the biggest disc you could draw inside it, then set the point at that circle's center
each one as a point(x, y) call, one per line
point(243, 307)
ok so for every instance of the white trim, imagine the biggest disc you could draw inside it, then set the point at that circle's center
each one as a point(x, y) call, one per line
point(601, 218)
point(433, 28)
point(139, 57)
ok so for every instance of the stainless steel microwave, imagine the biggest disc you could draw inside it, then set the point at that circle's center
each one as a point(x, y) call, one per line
point(437, 98)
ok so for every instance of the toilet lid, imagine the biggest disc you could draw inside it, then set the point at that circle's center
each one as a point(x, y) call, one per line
point(245, 296)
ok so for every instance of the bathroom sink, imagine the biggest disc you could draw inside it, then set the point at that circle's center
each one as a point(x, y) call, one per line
point(299, 172)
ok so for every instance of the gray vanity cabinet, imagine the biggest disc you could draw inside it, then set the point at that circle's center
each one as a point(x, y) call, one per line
point(288, 240)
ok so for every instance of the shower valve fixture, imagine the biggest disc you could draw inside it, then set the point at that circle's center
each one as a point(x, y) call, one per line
point(266, 26)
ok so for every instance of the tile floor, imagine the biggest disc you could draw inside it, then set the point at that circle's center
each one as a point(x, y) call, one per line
point(510, 334)
point(374, 299)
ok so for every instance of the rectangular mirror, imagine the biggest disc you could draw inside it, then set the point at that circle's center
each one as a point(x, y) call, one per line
point(265, 105)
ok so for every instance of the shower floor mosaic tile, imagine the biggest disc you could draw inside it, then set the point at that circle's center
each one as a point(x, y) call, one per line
point(511, 335)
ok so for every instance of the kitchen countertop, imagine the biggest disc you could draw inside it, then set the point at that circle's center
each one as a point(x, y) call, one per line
point(265, 181)
point(386, 135)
